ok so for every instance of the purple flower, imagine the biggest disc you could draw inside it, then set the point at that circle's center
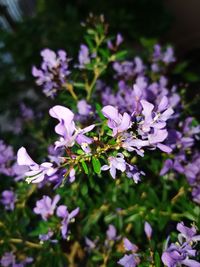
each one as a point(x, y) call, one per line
point(47, 237)
point(46, 206)
point(196, 194)
point(157, 53)
point(117, 122)
point(180, 253)
point(67, 217)
point(111, 232)
point(35, 173)
point(90, 244)
point(139, 67)
point(176, 255)
point(66, 128)
point(168, 56)
point(129, 246)
point(84, 108)
point(148, 230)
point(8, 199)
point(6, 158)
point(7, 259)
point(53, 72)
point(115, 163)
point(132, 172)
point(189, 234)
point(26, 112)
point(118, 41)
point(83, 56)
point(128, 261)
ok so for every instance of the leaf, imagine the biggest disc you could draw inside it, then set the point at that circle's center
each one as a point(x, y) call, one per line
point(84, 190)
point(96, 165)
point(98, 110)
point(120, 55)
point(79, 85)
point(85, 168)
point(157, 259)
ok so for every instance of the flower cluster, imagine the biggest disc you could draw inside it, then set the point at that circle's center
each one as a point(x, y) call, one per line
point(9, 259)
point(46, 208)
point(53, 72)
point(181, 252)
point(129, 126)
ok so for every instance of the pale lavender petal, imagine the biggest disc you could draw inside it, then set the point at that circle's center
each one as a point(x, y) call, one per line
point(62, 211)
point(74, 213)
point(24, 159)
point(129, 246)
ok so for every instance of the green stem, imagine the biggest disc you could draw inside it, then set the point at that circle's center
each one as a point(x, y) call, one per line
point(20, 241)
point(70, 88)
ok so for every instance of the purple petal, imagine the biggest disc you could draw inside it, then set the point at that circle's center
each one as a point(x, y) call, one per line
point(62, 211)
point(24, 159)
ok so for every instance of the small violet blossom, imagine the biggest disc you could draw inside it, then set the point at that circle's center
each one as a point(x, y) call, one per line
point(66, 128)
point(148, 230)
point(53, 72)
point(47, 237)
point(46, 206)
point(67, 217)
point(117, 122)
point(84, 108)
point(115, 163)
point(180, 252)
point(118, 41)
point(131, 260)
point(6, 158)
point(83, 56)
point(9, 260)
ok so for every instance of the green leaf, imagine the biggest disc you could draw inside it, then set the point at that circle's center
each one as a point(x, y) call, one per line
point(85, 168)
point(119, 56)
point(84, 190)
point(96, 165)
point(98, 110)
point(157, 259)
point(80, 152)
point(79, 85)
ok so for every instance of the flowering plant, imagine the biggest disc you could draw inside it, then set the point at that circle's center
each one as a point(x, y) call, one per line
point(122, 164)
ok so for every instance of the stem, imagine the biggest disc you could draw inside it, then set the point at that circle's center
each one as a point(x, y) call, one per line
point(70, 88)
point(89, 88)
point(20, 241)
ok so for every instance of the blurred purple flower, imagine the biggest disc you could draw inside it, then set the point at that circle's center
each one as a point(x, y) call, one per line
point(53, 72)
point(7, 259)
point(46, 206)
point(128, 261)
point(26, 112)
point(83, 56)
point(148, 230)
point(111, 233)
point(67, 217)
point(118, 41)
point(8, 199)
point(6, 159)
point(83, 107)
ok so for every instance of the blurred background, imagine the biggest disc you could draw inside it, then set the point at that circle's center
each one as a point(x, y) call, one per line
point(27, 26)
